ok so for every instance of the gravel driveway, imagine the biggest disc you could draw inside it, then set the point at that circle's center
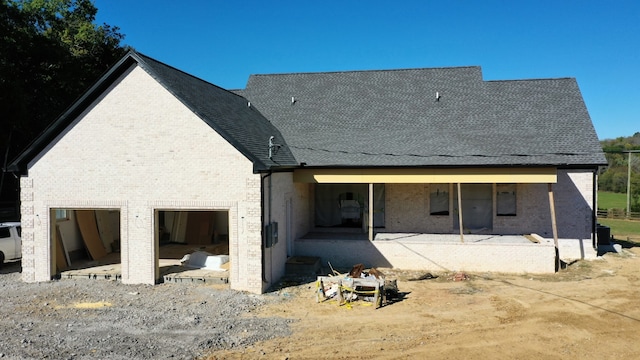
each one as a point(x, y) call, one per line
point(100, 319)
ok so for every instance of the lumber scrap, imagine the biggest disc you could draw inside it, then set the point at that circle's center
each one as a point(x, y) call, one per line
point(89, 230)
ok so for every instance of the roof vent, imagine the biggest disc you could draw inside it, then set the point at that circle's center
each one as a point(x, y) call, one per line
point(293, 100)
point(249, 103)
point(437, 96)
point(273, 148)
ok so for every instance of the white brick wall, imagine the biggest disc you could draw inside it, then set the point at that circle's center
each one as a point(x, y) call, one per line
point(138, 149)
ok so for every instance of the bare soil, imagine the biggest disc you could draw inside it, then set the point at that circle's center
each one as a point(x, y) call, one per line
point(590, 310)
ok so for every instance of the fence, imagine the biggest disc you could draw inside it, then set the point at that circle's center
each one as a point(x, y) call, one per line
point(618, 214)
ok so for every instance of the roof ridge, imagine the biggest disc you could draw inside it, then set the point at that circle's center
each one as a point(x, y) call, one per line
point(369, 70)
point(142, 59)
point(533, 79)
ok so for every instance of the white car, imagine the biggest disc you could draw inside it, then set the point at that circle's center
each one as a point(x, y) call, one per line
point(10, 242)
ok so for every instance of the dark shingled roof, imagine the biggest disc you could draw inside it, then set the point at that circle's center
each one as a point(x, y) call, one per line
point(392, 118)
point(225, 112)
point(388, 118)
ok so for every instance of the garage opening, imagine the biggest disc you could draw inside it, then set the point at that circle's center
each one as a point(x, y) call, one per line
point(85, 238)
point(193, 245)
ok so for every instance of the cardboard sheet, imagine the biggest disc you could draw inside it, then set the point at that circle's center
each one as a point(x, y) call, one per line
point(89, 229)
point(104, 228)
point(61, 253)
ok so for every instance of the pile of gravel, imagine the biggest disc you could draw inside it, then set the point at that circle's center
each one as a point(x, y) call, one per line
point(100, 319)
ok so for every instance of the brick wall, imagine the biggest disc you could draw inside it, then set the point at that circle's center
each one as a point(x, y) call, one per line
point(138, 149)
point(407, 208)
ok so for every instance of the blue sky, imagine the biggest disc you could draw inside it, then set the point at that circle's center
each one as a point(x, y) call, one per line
point(223, 42)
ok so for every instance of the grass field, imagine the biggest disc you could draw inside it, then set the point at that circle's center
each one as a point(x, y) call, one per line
point(611, 200)
point(623, 229)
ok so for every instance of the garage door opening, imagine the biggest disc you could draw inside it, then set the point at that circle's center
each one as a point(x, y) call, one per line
point(193, 245)
point(84, 239)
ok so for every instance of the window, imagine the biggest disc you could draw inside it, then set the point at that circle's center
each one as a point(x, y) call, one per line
point(439, 199)
point(61, 214)
point(506, 199)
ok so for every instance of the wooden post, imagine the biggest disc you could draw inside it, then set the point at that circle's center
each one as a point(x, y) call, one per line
point(628, 186)
point(370, 219)
point(554, 227)
point(460, 213)
point(320, 285)
point(376, 297)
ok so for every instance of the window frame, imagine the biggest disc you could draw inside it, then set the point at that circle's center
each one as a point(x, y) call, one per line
point(507, 199)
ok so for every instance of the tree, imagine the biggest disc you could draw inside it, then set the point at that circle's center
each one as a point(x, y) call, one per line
point(50, 53)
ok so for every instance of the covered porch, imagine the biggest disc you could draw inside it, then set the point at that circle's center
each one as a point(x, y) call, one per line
point(487, 220)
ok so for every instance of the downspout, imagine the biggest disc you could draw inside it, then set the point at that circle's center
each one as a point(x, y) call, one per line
point(594, 211)
point(263, 248)
point(270, 228)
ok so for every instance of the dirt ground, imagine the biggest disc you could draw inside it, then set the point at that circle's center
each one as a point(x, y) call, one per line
point(590, 310)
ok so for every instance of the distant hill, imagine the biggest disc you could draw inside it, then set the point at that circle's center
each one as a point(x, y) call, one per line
point(623, 143)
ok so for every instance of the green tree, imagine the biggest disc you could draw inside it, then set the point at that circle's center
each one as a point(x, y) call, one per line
point(50, 52)
point(614, 176)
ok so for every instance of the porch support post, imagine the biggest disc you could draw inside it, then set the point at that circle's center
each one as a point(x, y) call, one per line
point(460, 213)
point(370, 217)
point(554, 227)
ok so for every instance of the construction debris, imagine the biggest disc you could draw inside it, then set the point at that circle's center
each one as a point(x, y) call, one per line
point(357, 284)
point(426, 276)
point(460, 277)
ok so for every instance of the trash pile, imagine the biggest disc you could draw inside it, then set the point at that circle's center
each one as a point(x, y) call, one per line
point(359, 284)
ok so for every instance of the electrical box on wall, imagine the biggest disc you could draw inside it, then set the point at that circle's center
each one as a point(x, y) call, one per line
point(271, 232)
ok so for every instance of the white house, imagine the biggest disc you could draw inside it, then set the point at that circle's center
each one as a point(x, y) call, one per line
point(387, 168)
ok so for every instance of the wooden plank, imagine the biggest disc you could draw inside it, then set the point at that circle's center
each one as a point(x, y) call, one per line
point(199, 225)
point(89, 230)
point(460, 213)
point(370, 216)
point(61, 254)
point(505, 175)
point(554, 226)
point(104, 227)
point(532, 239)
point(63, 236)
point(351, 282)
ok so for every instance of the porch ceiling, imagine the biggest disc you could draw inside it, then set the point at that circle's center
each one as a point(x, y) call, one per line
point(544, 175)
